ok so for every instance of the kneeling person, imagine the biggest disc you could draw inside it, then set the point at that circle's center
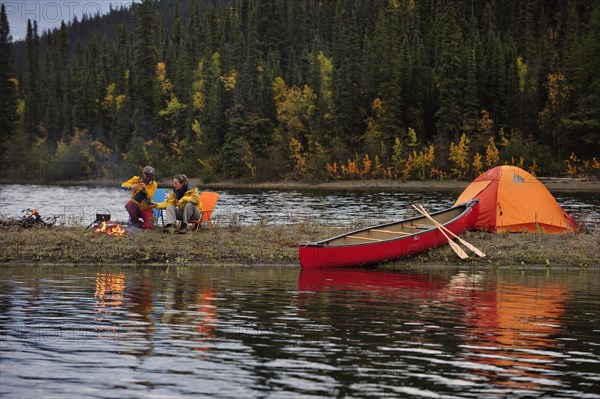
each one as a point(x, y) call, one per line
point(183, 203)
point(140, 205)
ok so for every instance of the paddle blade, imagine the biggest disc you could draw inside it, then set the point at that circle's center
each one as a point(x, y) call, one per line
point(471, 247)
point(459, 251)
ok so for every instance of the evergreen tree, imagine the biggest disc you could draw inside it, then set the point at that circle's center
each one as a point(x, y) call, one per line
point(144, 68)
point(85, 93)
point(585, 121)
point(8, 87)
point(376, 70)
point(389, 63)
point(450, 75)
point(33, 106)
point(212, 120)
point(348, 118)
point(470, 101)
point(491, 67)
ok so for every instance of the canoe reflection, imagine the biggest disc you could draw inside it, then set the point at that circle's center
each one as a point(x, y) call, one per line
point(508, 330)
point(365, 280)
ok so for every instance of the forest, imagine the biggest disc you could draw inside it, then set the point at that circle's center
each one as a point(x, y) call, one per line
point(305, 90)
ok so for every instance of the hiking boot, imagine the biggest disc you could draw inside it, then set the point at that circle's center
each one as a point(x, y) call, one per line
point(169, 229)
point(182, 229)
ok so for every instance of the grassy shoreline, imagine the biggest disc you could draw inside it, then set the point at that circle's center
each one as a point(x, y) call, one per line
point(274, 245)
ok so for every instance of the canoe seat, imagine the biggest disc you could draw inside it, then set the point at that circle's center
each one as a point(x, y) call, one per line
point(402, 233)
point(364, 238)
point(419, 226)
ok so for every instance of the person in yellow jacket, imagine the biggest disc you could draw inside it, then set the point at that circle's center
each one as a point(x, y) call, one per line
point(140, 205)
point(183, 203)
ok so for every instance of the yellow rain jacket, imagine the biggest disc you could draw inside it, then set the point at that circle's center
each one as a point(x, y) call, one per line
point(191, 195)
point(150, 189)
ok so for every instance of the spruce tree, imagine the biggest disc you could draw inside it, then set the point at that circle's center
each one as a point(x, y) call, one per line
point(32, 101)
point(386, 69)
point(451, 77)
point(586, 118)
point(347, 96)
point(144, 68)
point(434, 64)
point(8, 86)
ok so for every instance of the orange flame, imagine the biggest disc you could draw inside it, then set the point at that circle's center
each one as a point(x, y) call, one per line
point(111, 229)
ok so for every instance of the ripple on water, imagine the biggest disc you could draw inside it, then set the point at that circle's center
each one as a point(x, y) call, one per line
point(222, 333)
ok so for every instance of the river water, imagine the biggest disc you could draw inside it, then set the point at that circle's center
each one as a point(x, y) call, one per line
point(256, 332)
point(78, 204)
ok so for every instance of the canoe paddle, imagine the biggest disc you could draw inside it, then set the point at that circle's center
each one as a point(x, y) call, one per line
point(455, 247)
point(469, 246)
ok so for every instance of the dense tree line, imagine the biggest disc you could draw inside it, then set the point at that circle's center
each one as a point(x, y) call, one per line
point(306, 89)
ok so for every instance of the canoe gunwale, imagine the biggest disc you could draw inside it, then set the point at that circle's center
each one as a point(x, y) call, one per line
point(322, 244)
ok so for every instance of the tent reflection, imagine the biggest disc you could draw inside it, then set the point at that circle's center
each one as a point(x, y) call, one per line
point(510, 327)
point(518, 334)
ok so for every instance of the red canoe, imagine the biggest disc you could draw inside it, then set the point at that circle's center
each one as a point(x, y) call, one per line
point(388, 241)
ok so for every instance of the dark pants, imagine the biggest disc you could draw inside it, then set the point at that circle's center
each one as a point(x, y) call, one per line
point(135, 213)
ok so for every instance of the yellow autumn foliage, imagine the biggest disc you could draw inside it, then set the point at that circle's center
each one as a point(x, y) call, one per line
point(492, 155)
point(459, 157)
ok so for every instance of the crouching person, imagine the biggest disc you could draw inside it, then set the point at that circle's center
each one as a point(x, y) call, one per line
point(183, 203)
point(140, 205)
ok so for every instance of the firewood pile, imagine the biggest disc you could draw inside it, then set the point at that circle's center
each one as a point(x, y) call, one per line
point(30, 219)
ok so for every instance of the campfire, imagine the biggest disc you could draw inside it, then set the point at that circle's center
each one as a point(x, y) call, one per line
point(111, 229)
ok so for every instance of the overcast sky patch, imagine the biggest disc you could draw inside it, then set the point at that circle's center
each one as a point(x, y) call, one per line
point(50, 13)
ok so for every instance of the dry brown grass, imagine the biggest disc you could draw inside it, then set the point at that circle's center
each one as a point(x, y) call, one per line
point(513, 249)
point(273, 244)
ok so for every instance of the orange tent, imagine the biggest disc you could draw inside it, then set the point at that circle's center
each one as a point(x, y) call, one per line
point(512, 200)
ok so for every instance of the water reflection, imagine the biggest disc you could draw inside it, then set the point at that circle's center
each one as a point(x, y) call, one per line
point(140, 303)
point(252, 332)
point(109, 294)
point(510, 328)
point(528, 320)
point(508, 333)
point(207, 317)
point(367, 280)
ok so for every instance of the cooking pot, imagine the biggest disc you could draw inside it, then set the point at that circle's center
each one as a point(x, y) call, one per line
point(103, 215)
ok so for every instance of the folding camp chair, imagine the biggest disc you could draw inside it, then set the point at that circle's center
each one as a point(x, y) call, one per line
point(159, 196)
point(208, 200)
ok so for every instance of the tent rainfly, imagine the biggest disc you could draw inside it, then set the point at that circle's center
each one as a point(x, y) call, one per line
point(512, 200)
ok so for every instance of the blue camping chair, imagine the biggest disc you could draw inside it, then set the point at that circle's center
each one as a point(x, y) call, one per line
point(159, 196)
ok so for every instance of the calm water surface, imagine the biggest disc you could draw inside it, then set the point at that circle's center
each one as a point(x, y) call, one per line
point(78, 204)
point(255, 332)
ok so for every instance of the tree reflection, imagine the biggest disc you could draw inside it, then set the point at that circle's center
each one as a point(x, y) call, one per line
point(140, 304)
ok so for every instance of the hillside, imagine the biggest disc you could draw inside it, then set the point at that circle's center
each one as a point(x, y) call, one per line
point(306, 90)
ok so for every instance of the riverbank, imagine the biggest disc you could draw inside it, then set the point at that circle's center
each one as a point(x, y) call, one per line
point(553, 184)
point(273, 245)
